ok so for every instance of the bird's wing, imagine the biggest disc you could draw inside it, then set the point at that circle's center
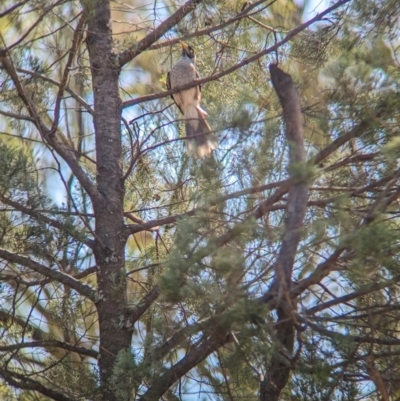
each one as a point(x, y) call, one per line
point(198, 77)
point(169, 88)
point(169, 81)
point(197, 95)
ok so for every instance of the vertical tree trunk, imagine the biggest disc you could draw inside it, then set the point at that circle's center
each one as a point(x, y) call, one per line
point(110, 243)
point(279, 366)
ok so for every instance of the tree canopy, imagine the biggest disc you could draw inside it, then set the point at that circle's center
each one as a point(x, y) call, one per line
point(131, 271)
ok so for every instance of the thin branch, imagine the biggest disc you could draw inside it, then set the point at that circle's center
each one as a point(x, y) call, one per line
point(17, 279)
point(291, 34)
point(152, 224)
point(133, 315)
point(16, 116)
point(243, 14)
point(357, 339)
point(85, 273)
point(12, 8)
point(196, 355)
point(63, 278)
point(321, 271)
point(148, 40)
point(50, 344)
point(50, 137)
point(35, 24)
point(366, 289)
point(25, 383)
point(40, 217)
point(78, 34)
point(76, 97)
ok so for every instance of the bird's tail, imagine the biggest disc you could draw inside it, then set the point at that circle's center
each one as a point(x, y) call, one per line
point(200, 140)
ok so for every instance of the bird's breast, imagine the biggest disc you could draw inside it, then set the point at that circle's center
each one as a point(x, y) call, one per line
point(182, 73)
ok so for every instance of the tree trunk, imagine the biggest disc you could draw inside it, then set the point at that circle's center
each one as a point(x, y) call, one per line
point(108, 210)
point(279, 367)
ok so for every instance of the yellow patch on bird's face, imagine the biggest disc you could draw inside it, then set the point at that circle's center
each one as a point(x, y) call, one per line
point(191, 50)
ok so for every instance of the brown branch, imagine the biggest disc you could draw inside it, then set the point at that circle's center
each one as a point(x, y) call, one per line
point(17, 279)
point(35, 24)
point(298, 193)
point(12, 8)
point(243, 14)
point(367, 289)
point(152, 37)
point(376, 377)
point(278, 368)
point(85, 273)
point(50, 344)
point(50, 137)
point(76, 97)
point(40, 217)
point(196, 355)
point(267, 205)
point(324, 268)
point(321, 271)
point(177, 338)
point(63, 278)
point(346, 337)
point(17, 116)
point(356, 131)
point(291, 34)
point(353, 159)
point(25, 383)
point(78, 34)
point(135, 228)
point(133, 315)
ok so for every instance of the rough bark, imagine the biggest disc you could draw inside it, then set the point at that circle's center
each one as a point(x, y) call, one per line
point(279, 366)
point(108, 210)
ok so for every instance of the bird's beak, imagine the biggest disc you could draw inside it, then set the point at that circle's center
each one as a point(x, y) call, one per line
point(184, 45)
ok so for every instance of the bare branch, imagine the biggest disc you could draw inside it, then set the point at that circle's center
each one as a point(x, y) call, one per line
point(76, 97)
point(144, 226)
point(357, 339)
point(376, 377)
point(25, 383)
point(133, 315)
point(50, 344)
point(40, 217)
point(197, 354)
point(291, 34)
point(367, 289)
point(63, 278)
point(278, 370)
point(17, 116)
point(78, 34)
point(12, 8)
point(35, 24)
point(48, 136)
point(243, 14)
point(33, 283)
point(152, 37)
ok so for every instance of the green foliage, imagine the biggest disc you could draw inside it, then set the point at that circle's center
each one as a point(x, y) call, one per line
point(15, 170)
point(212, 262)
point(125, 374)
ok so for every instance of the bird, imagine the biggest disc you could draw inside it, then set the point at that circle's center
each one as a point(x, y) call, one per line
point(200, 140)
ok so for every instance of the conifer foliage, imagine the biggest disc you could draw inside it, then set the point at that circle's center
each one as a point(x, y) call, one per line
point(130, 271)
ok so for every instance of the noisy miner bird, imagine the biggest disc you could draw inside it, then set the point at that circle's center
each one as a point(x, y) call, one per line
point(200, 141)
